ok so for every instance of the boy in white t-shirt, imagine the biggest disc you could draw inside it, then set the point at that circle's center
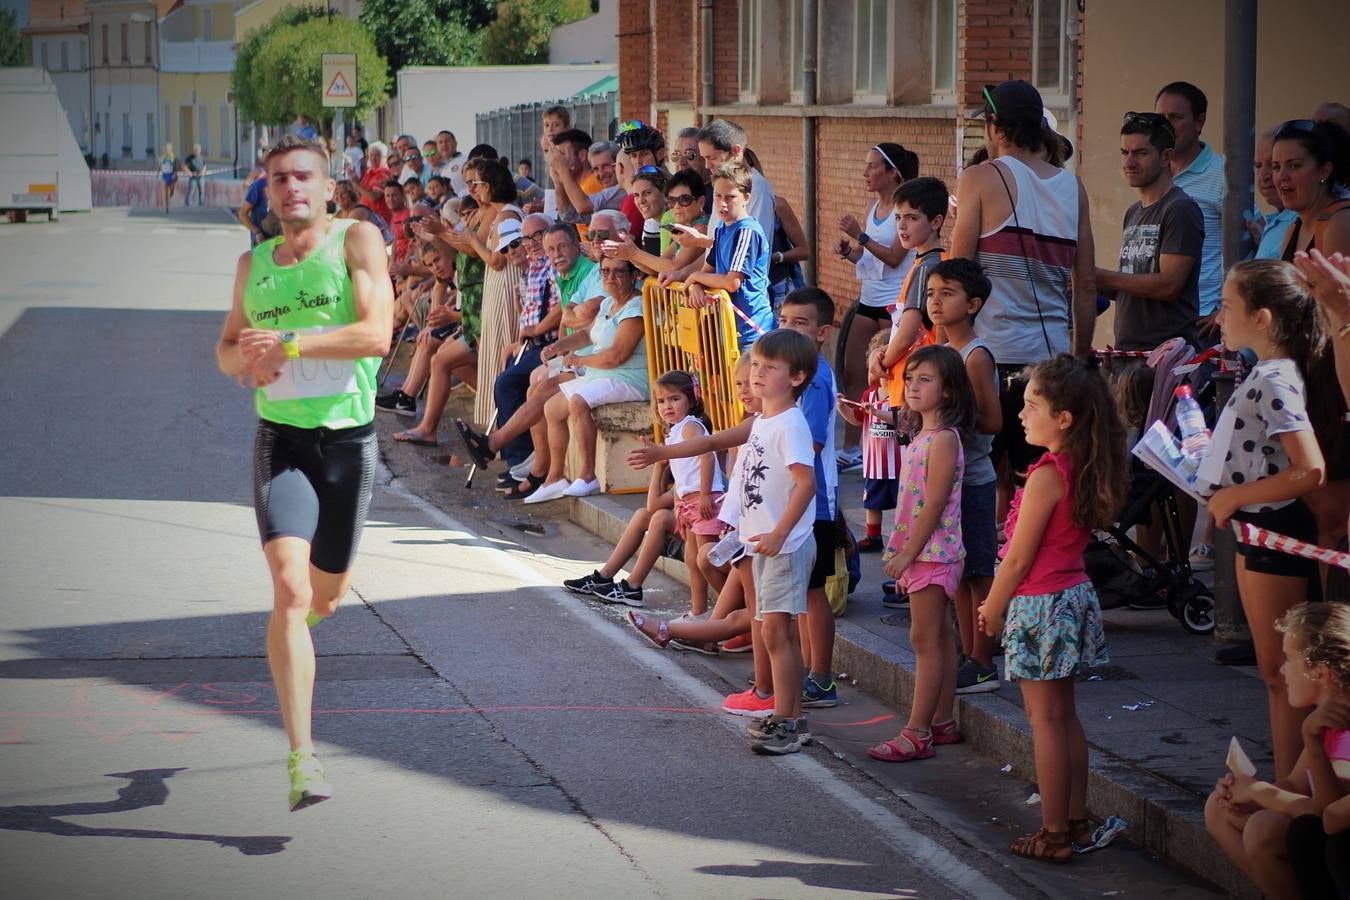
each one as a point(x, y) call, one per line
point(777, 509)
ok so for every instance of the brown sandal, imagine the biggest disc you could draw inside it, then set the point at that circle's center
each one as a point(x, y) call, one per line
point(1044, 845)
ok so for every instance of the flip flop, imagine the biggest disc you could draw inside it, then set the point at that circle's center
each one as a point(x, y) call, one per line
point(659, 640)
point(412, 437)
point(475, 443)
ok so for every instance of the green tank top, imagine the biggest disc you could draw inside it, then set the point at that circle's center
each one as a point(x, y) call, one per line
point(312, 296)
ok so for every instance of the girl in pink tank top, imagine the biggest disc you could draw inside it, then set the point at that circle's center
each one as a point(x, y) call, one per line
point(1053, 625)
point(925, 551)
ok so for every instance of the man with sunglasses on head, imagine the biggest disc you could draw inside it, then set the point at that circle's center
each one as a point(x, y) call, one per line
point(1157, 287)
point(1198, 171)
point(685, 157)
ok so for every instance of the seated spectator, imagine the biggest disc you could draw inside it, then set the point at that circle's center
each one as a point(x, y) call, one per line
point(608, 362)
point(349, 206)
point(1157, 290)
point(443, 322)
point(438, 191)
point(373, 178)
point(1251, 819)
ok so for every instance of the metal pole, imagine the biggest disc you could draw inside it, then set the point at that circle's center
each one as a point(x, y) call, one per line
point(1230, 623)
point(810, 60)
point(1239, 123)
point(705, 13)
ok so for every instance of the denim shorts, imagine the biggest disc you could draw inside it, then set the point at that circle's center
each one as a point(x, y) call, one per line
point(978, 529)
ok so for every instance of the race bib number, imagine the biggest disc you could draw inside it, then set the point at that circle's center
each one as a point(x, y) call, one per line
point(305, 378)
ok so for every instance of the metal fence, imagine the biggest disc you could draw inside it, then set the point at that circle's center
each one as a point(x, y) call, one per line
point(515, 131)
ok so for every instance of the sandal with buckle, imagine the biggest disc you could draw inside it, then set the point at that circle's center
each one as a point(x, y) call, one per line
point(476, 444)
point(909, 745)
point(522, 489)
point(1044, 845)
point(662, 636)
point(946, 733)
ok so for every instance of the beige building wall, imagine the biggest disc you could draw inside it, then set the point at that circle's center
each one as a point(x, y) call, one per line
point(1125, 63)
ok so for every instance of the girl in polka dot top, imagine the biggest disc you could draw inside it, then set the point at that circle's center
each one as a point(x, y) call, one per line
point(1264, 457)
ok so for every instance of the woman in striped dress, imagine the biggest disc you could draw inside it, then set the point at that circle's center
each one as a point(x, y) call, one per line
point(495, 190)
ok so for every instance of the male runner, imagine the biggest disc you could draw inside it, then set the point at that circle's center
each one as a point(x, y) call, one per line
point(312, 315)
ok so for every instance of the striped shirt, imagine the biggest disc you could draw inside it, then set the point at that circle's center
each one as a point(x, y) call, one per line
point(880, 450)
point(1029, 260)
point(1203, 179)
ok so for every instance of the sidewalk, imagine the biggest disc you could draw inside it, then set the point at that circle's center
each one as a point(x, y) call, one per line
point(1158, 717)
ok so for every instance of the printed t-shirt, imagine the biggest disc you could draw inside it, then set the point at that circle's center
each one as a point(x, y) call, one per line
point(880, 450)
point(775, 443)
point(1173, 224)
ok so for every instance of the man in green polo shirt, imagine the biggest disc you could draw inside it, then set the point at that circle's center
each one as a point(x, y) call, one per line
point(311, 317)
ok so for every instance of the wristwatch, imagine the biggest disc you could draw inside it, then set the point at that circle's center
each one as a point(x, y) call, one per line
point(291, 342)
point(864, 239)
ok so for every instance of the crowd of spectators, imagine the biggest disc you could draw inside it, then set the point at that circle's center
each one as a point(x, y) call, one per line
point(531, 299)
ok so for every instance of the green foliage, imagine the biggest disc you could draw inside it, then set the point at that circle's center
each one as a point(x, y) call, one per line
point(520, 33)
point(281, 75)
point(11, 45)
point(427, 32)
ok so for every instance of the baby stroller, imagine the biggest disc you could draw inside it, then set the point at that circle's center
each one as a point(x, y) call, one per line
point(1122, 571)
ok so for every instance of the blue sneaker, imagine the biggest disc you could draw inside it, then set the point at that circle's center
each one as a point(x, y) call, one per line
point(816, 696)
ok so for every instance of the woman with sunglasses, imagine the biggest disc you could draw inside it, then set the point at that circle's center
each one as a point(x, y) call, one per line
point(683, 205)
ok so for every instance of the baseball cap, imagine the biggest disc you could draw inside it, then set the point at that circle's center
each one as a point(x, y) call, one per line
point(1011, 101)
point(507, 233)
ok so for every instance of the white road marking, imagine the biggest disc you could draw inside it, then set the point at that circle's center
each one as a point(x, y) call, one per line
point(909, 843)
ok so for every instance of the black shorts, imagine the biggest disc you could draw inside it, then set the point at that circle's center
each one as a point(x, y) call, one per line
point(826, 534)
point(880, 493)
point(1294, 520)
point(875, 313)
point(315, 484)
point(1011, 441)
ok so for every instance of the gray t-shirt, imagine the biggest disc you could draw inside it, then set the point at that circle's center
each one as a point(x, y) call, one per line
point(979, 466)
point(1175, 225)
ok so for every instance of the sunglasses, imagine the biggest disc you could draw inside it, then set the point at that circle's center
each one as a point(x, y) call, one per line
point(648, 170)
point(613, 273)
point(600, 234)
point(682, 199)
point(514, 244)
point(476, 183)
point(1295, 126)
point(990, 107)
point(1150, 121)
point(677, 155)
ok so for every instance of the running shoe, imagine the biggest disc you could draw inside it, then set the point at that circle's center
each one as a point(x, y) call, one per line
point(739, 644)
point(619, 592)
point(973, 678)
point(308, 783)
point(780, 738)
point(847, 460)
point(748, 703)
point(312, 618)
point(758, 729)
point(398, 403)
point(1202, 558)
point(588, 584)
point(522, 469)
point(817, 696)
point(871, 544)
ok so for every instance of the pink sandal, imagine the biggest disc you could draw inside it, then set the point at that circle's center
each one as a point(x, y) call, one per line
point(662, 636)
point(892, 751)
point(947, 733)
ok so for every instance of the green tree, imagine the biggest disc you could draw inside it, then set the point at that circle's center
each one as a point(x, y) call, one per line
point(284, 74)
point(249, 92)
point(11, 45)
point(520, 33)
point(427, 32)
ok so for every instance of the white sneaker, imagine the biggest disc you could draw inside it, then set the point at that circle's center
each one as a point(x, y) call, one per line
point(1202, 558)
point(581, 488)
point(551, 491)
point(521, 470)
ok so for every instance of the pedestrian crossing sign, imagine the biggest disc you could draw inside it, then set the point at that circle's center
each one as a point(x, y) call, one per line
point(339, 79)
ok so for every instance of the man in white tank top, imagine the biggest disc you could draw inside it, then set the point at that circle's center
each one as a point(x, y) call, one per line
point(1026, 222)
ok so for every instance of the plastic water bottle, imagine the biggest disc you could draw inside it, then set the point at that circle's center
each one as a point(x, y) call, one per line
point(1191, 420)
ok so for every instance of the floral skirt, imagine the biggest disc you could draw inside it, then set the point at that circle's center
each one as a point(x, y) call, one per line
point(1059, 635)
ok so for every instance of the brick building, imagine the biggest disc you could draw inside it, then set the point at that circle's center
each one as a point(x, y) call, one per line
point(904, 70)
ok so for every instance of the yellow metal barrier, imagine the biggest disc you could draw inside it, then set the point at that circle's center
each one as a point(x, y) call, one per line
point(699, 341)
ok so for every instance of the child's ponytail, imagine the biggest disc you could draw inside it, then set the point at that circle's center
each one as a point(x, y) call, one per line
point(1275, 285)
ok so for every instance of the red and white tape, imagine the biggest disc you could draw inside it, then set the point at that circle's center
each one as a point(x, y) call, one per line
point(1259, 537)
point(1111, 352)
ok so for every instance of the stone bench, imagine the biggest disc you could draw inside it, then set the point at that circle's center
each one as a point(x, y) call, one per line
point(619, 427)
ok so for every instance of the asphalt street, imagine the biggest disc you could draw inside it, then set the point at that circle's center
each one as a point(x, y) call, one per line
point(487, 734)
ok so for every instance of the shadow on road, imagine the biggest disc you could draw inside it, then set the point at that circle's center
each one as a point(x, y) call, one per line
point(146, 787)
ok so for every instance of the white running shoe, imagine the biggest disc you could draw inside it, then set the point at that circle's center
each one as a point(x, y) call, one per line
point(1202, 558)
point(551, 491)
point(581, 488)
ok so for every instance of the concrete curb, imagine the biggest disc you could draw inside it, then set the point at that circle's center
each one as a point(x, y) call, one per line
point(1163, 817)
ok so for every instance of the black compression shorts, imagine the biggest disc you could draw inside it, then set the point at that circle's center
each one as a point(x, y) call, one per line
point(315, 484)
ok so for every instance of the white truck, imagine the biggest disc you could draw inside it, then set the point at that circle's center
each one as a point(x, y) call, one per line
point(41, 168)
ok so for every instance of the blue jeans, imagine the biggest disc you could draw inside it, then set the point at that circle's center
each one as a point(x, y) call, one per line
point(194, 181)
point(508, 392)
